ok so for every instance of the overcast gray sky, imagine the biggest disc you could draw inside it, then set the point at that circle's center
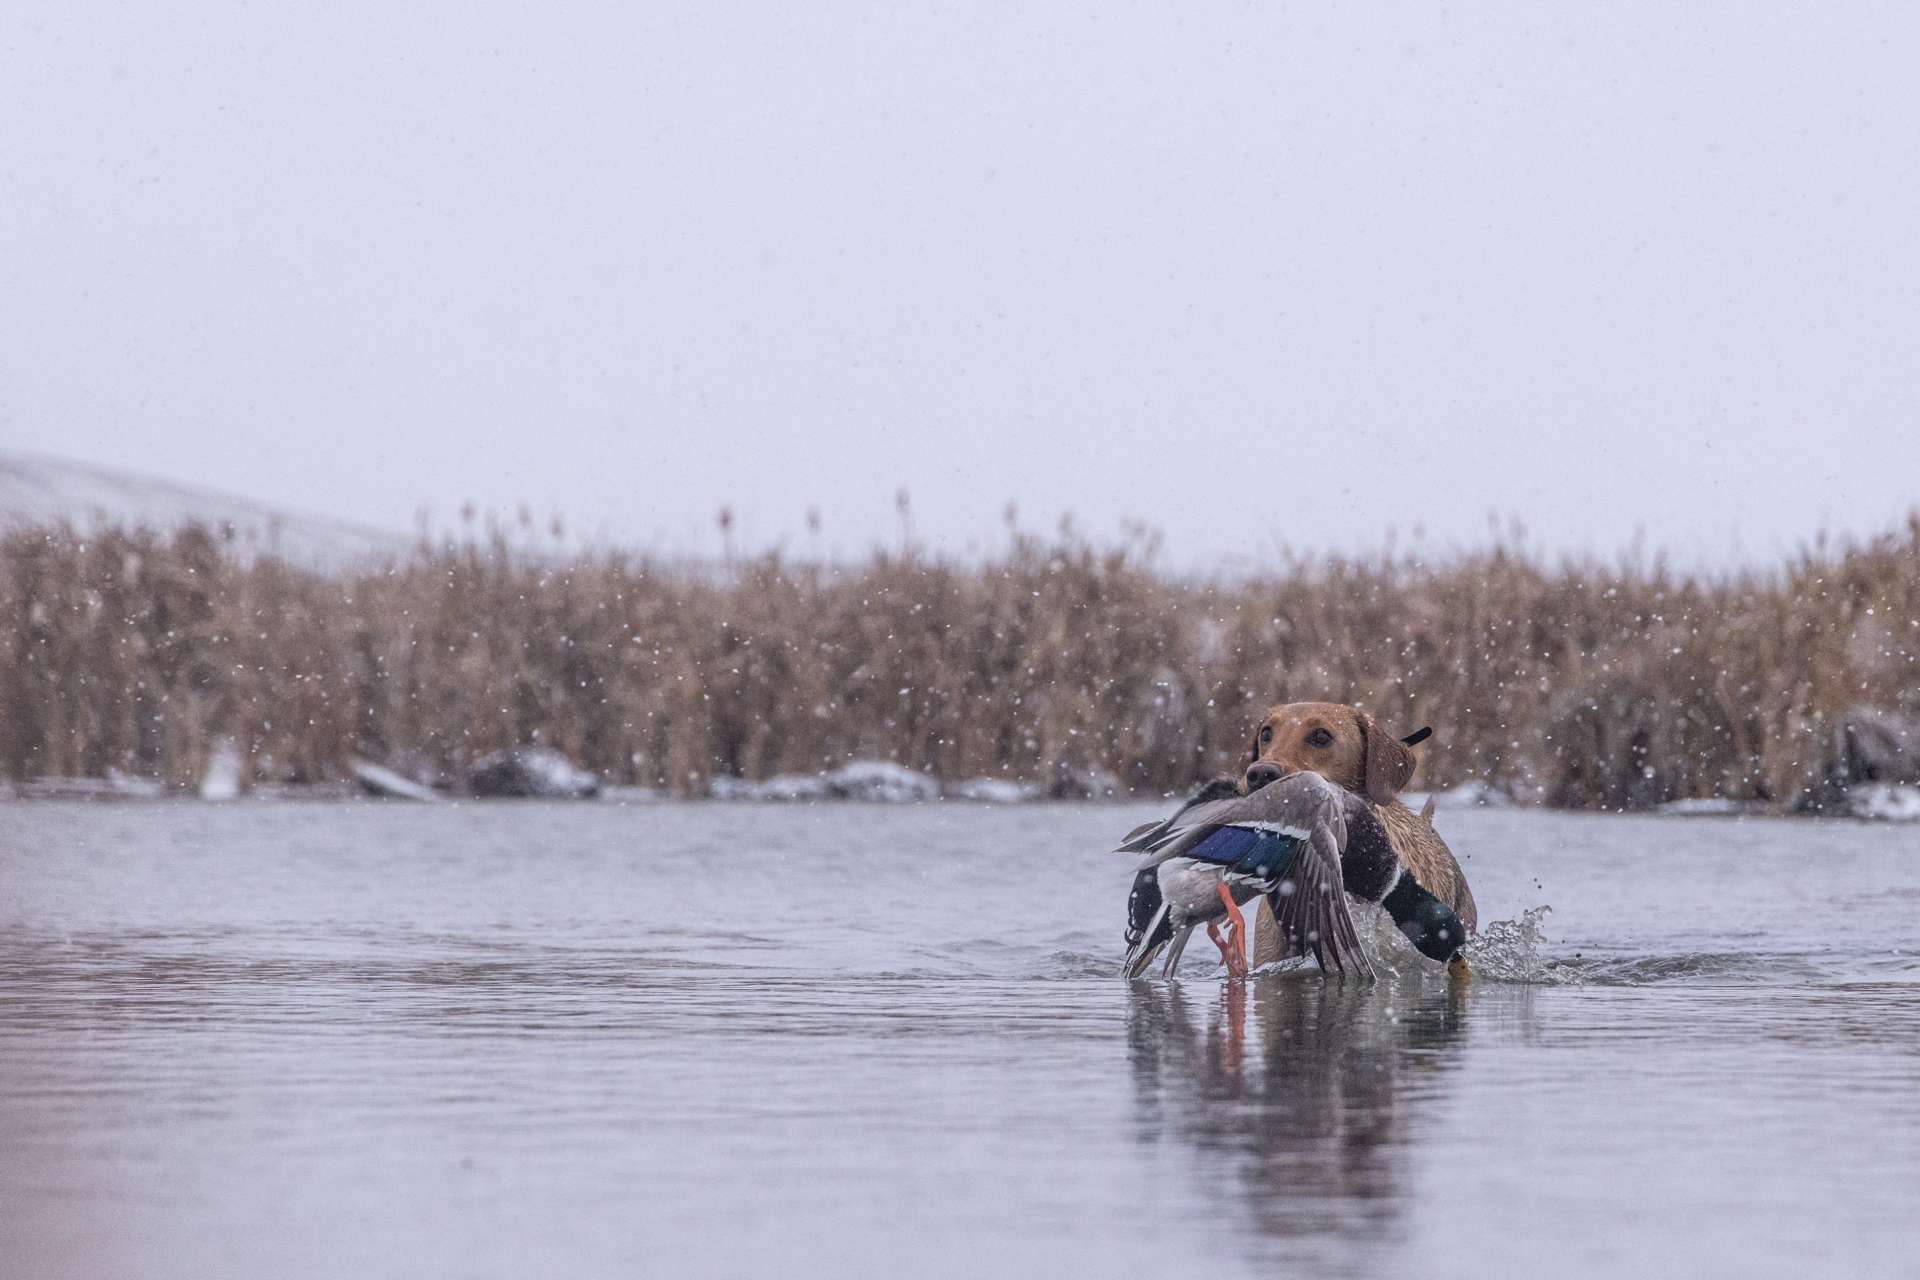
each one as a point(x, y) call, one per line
point(1247, 273)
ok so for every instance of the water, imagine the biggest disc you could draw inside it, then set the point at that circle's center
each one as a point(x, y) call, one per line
point(294, 1040)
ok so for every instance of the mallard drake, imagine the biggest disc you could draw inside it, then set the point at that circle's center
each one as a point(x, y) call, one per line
point(1299, 840)
point(1221, 850)
point(1350, 749)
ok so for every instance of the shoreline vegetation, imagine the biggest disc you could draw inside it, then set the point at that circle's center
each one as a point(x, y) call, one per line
point(1058, 664)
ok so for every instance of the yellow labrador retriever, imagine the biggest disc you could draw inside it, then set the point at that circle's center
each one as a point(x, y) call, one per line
point(1346, 747)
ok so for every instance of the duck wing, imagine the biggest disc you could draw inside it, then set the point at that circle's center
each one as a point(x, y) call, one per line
point(1310, 902)
point(1147, 834)
point(1292, 807)
point(1310, 909)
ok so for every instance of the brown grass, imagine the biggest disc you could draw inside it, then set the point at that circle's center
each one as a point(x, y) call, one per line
point(1580, 684)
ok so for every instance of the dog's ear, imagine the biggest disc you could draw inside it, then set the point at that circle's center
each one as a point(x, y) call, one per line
point(1386, 765)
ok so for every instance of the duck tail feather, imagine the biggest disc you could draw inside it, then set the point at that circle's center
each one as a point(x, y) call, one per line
point(1179, 947)
point(1152, 938)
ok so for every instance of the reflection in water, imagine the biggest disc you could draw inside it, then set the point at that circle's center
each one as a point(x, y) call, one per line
point(301, 1041)
point(1301, 1100)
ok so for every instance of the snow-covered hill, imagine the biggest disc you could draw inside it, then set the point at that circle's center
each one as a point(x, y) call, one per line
point(35, 489)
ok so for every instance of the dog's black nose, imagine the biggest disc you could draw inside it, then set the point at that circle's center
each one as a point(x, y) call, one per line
point(1261, 772)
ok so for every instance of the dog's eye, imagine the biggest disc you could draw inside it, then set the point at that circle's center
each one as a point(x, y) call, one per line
point(1266, 734)
point(1319, 738)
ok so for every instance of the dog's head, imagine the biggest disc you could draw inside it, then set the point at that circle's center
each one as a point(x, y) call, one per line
point(1342, 745)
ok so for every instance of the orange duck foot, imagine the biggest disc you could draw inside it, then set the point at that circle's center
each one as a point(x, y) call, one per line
point(1233, 951)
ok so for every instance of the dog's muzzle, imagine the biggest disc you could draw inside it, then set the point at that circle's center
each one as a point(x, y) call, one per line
point(1262, 772)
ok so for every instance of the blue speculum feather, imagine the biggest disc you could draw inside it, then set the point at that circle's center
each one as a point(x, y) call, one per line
point(1247, 851)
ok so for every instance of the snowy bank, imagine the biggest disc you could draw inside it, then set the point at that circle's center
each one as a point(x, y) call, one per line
point(378, 780)
point(1883, 802)
point(873, 781)
point(115, 786)
point(1709, 807)
point(225, 771)
point(995, 791)
point(1468, 795)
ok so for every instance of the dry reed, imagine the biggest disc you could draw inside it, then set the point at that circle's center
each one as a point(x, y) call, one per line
point(1578, 684)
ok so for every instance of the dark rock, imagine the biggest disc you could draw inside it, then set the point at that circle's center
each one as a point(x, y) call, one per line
point(530, 773)
point(1866, 748)
point(1084, 782)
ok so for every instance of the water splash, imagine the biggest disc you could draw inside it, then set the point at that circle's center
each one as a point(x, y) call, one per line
point(1505, 951)
point(1516, 952)
point(1509, 950)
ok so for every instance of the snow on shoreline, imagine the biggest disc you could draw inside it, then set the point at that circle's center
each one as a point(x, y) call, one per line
point(1883, 802)
point(1468, 795)
point(859, 782)
point(1708, 807)
point(874, 781)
